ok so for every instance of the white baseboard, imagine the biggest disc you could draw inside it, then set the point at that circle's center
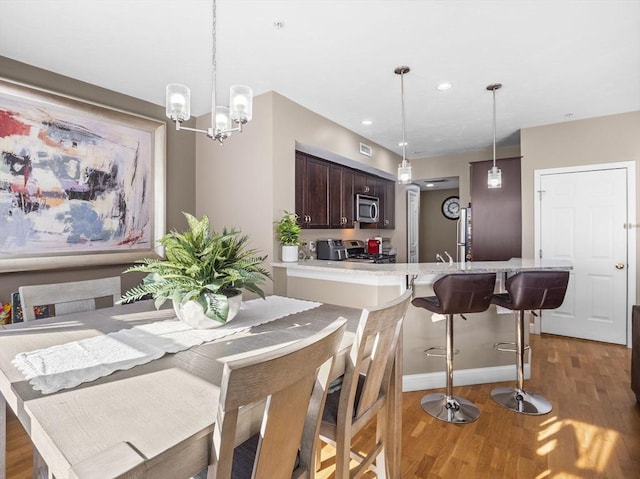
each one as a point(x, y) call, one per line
point(463, 377)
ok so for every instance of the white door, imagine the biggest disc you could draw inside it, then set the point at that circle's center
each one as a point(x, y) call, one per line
point(582, 219)
point(413, 214)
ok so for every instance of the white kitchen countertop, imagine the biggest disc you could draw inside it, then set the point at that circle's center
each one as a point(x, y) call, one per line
point(514, 265)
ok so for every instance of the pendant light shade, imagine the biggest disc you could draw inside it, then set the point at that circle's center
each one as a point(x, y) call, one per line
point(494, 176)
point(404, 168)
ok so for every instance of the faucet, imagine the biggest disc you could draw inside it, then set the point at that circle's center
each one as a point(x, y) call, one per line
point(450, 258)
point(440, 258)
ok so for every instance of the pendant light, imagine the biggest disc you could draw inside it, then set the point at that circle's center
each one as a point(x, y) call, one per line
point(404, 168)
point(494, 177)
point(178, 102)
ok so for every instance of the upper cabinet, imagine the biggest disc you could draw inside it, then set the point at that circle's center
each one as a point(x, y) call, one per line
point(325, 194)
point(385, 190)
point(365, 184)
point(388, 206)
point(496, 213)
point(312, 191)
point(341, 204)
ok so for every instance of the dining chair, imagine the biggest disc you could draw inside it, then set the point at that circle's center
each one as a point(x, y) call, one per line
point(293, 380)
point(365, 390)
point(66, 298)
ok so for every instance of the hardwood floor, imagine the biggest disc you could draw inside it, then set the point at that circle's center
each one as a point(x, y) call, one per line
point(592, 432)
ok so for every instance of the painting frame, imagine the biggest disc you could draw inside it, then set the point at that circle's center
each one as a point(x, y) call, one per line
point(143, 159)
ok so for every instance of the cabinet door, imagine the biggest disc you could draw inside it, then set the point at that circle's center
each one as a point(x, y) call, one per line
point(335, 196)
point(312, 191)
point(364, 183)
point(340, 197)
point(348, 198)
point(317, 200)
point(388, 205)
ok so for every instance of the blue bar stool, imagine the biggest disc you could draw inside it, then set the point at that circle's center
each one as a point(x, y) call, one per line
point(455, 294)
point(527, 291)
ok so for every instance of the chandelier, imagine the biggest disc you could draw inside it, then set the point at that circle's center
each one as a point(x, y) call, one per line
point(239, 112)
point(404, 168)
point(494, 177)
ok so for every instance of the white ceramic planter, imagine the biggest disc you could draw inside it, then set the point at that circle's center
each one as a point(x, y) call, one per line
point(193, 314)
point(289, 254)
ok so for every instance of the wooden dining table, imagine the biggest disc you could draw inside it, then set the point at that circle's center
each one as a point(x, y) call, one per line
point(155, 418)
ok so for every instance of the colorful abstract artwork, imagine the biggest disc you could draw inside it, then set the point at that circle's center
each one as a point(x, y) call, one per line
point(76, 179)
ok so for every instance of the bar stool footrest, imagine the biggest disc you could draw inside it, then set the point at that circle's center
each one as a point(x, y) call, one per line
point(520, 401)
point(501, 347)
point(427, 352)
point(452, 409)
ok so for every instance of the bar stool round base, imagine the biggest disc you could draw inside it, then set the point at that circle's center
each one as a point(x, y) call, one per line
point(452, 409)
point(521, 401)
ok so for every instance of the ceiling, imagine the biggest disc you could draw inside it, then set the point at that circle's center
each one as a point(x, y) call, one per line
point(558, 60)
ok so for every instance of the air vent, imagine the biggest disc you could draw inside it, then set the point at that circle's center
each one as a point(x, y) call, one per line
point(366, 150)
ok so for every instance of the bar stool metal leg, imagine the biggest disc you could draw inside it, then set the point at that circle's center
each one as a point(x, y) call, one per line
point(448, 407)
point(517, 399)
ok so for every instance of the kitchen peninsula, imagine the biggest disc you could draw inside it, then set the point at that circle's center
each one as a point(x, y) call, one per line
point(360, 285)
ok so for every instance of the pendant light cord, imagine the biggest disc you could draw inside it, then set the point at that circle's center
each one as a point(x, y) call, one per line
point(213, 63)
point(494, 127)
point(404, 142)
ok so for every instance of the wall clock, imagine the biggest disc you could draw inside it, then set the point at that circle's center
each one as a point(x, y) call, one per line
point(451, 208)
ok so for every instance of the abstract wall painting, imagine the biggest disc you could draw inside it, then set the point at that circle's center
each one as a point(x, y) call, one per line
point(80, 183)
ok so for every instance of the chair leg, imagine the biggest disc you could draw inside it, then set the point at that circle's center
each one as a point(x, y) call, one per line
point(447, 407)
point(517, 399)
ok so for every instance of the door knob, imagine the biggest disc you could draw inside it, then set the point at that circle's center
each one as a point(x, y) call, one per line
point(620, 266)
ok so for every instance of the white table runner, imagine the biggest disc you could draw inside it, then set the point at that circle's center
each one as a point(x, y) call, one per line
point(68, 365)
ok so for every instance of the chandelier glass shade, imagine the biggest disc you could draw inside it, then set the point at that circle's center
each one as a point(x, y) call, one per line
point(494, 175)
point(223, 119)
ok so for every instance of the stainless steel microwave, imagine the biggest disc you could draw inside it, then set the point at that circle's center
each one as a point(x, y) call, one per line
point(367, 209)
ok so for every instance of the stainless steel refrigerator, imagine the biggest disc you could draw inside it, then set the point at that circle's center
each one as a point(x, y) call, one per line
point(463, 231)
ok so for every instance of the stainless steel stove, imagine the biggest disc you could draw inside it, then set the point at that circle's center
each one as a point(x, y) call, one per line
point(356, 252)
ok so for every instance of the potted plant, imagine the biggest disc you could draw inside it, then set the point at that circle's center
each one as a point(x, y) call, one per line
point(288, 233)
point(204, 272)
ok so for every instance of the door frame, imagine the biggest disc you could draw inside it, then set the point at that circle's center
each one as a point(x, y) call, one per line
point(409, 190)
point(630, 166)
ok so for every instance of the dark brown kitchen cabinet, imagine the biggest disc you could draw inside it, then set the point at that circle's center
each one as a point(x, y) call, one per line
point(388, 204)
point(312, 191)
point(341, 200)
point(385, 191)
point(496, 212)
point(365, 184)
point(325, 194)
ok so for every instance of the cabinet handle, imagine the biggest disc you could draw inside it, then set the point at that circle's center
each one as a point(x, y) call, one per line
point(366, 189)
point(386, 222)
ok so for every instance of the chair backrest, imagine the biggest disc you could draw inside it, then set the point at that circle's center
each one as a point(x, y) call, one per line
point(69, 297)
point(531, 290)
point(465, 292)
point(369, 367)
point(294, 381)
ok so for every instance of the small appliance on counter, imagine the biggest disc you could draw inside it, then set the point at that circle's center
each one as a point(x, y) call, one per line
point(330, 249)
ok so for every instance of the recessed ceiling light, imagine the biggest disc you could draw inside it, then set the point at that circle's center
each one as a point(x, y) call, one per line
point(568, 115)
point(367, 122)
point(403, 143)
point(444, 86)
point(429, 185)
